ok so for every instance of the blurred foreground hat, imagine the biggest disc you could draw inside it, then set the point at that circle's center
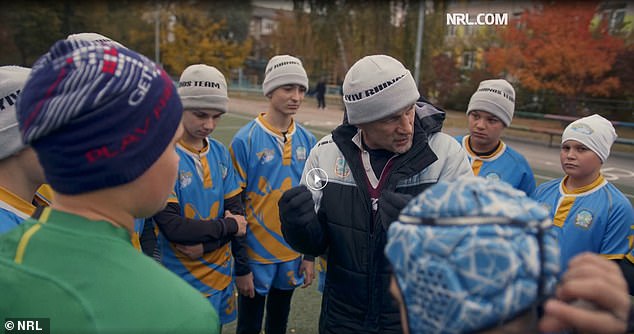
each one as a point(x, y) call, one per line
point(93, 37)
point(471, 254)
point(98, 115)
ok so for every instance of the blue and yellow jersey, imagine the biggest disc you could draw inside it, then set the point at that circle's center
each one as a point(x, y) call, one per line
point(595, 218)
point(139, 224)
point(205, 180)
point(321, 267)
point(268, 163)
point(13, 210)
point(504, 164)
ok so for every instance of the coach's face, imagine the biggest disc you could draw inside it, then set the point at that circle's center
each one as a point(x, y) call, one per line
point(393, 133)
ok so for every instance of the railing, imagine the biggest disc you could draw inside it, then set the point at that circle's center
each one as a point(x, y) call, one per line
point(565, 120)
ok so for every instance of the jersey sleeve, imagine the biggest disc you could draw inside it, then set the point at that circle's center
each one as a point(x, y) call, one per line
point(527, 185)
point(231, 182)
point(239, 157)
point(615, 242)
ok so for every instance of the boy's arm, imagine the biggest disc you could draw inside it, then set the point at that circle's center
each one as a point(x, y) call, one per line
point(148, 237)
point(179, 229)
point(615, 241)
point(238, 244)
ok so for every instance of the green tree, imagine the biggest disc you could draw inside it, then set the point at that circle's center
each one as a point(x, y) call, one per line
point(331, 35)
point(28, 29)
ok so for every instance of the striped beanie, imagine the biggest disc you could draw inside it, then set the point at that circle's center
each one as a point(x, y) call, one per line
point(93, 37)
point(98, 115)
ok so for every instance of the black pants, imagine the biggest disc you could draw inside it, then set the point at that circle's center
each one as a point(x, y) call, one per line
point(321, 101)
point(251, 312)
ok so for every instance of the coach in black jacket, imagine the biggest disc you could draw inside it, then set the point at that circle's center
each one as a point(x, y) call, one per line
point(374, 165)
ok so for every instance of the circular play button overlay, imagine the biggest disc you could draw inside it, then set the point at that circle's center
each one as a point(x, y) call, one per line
point(316, 179)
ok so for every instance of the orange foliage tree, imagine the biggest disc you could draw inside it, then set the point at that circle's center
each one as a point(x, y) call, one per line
point(557, 47)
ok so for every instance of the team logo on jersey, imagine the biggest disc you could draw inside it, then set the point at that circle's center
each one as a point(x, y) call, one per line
point(223, 170)
point(493, 176)
point(266, 155)
point(300, 153)
point(583, 219)
point(341, 167)
point(185, 179)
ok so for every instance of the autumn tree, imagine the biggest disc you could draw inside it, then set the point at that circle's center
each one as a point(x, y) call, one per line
point(556, 48)
point(190, 36)
point(624, 70)
point(446, 78)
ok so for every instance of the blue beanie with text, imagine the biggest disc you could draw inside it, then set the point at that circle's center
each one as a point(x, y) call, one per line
point(98, 115)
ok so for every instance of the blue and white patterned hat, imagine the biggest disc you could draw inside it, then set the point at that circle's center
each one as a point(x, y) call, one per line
point(471, 254)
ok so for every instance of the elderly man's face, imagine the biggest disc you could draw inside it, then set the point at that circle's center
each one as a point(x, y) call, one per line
point(393, 133)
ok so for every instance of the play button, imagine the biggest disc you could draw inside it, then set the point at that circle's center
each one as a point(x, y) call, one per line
point(316, 179)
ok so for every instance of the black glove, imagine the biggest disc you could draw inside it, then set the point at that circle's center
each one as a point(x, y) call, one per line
point(390, 206)
point(297, 208)
point(300, 226)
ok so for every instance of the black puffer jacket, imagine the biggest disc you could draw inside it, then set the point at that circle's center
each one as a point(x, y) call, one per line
point(356, 297)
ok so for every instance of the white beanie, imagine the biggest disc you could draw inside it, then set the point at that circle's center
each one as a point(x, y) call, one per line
point(284, 70)
point(12, 79)
point(595, 132)
point(376, 87)
point(203, 87)
point(93, 37)
point(496, 97)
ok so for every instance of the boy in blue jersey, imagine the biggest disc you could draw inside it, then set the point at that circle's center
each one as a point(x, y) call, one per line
point(490, 111)
point(511, 238)
point(589, 213)
point(20, 170)
point(202, 223)
point(269, 154)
